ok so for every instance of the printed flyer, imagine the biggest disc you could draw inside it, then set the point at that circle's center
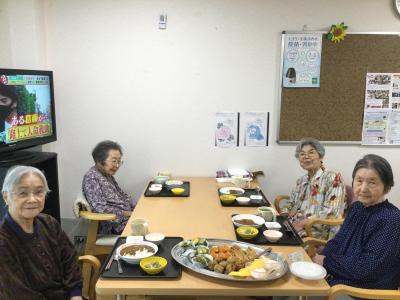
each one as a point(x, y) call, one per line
point(302, 60)
point(381, 125)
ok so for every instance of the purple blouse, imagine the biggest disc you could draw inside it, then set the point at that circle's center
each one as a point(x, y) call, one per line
point(105, 196)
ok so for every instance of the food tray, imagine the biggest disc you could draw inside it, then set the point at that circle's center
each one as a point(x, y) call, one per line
point(290, 237)
point(252, 203)
point(165, 192)
point(184, 261)
point(173, 269)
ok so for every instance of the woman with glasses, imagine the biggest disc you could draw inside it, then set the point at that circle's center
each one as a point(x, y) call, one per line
point(101, 189)
point(37, 259)
point(365, 253)
point(318, 194)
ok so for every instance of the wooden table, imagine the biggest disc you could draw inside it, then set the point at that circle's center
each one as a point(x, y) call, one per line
point(201, 215)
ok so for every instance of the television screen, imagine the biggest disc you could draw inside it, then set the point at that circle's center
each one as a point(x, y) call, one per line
point(27, 116)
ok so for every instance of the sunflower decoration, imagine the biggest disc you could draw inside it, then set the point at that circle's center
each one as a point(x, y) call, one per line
point(337, 33)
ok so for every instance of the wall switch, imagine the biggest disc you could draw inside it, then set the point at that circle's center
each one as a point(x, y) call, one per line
point(162, 24)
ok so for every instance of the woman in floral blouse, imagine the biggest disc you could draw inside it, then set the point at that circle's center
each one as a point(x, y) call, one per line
point(318, 194)
point(101, 189)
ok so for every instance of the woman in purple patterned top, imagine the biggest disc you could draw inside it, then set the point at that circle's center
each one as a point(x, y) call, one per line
point(101, 189)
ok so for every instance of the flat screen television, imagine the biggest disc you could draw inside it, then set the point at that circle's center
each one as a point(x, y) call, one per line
point(27, 115)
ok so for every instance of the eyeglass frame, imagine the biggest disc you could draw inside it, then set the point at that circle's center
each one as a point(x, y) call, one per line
point(36, 194)
point(115, 162)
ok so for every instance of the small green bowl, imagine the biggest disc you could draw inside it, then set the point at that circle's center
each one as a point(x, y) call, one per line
point(153, 265)
point(177, 191)
point(227, 199)
point(247, 232)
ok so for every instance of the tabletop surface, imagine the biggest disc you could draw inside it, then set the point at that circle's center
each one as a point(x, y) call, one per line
point(201, 215)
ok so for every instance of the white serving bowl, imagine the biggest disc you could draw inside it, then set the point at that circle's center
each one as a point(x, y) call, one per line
point(155, 237)
point(173, 182)
point(139, 254)
point(273, 225)
point(231, 190)
point(272, 235)
point(155, 190)
point(259, 221)
point(243, 200)
point(156, 185)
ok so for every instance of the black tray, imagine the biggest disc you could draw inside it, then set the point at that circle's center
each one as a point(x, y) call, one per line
point(290, 237)
point(165, 192)
point(173, 269)
point(252, 203)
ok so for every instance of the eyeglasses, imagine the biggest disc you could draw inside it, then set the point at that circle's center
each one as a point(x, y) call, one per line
point(303, 154)
point(24, 194)
point(115, 162)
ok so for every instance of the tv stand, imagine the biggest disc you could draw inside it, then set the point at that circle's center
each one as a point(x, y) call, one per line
point(16, 157)
point(44, 161)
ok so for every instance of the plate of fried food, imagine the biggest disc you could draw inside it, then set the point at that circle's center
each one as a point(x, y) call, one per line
point(229, 260)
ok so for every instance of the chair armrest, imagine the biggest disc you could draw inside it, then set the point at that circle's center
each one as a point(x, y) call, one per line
point(310, 245)
point(278, 200)
point(331, 222)
point(96, 216)
point(342, 289)
point(92, 260)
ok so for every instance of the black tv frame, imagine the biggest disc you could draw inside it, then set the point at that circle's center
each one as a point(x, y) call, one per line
point(9, 152)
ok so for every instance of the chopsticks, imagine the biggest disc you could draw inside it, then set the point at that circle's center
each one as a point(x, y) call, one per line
point(108, 266)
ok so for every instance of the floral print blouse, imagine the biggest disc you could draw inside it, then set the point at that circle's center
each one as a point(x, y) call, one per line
point(105, 196)
point(322, 196)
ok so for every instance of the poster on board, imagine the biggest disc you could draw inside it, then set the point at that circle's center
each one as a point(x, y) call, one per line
point(256, 129)
point(381, 125)
point(302, 60)
point(226, 129)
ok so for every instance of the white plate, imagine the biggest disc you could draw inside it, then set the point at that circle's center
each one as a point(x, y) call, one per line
point(256, 219)
point(227, 190)
point(308, 270)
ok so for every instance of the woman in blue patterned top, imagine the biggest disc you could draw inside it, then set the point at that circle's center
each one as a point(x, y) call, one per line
point(102, 190)
point(365, 252)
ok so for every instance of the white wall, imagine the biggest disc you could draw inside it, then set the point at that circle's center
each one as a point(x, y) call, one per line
point(117, 76)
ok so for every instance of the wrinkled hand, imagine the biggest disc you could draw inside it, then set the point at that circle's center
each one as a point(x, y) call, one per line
point(300, 225)
point(127, 213)
point(319, 259)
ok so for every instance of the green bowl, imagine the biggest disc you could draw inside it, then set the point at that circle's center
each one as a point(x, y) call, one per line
point(247, 232)
point(153, 265)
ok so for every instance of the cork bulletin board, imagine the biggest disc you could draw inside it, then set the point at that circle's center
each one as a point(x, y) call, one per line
point(334, 111)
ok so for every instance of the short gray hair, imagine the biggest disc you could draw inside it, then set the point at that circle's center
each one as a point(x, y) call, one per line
point(14, 177)
point(313, 143)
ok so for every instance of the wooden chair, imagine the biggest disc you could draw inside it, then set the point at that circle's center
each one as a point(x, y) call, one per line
point(342, 289)
point(95, 244)
point(311, 245)
point(94, 267)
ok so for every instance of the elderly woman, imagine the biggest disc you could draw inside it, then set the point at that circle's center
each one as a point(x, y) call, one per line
point(365, 252)
point(37, 259)
point(101, 189)
point(318, 194)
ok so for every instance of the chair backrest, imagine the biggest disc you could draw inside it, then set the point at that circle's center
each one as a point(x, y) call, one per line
point(350, 199)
